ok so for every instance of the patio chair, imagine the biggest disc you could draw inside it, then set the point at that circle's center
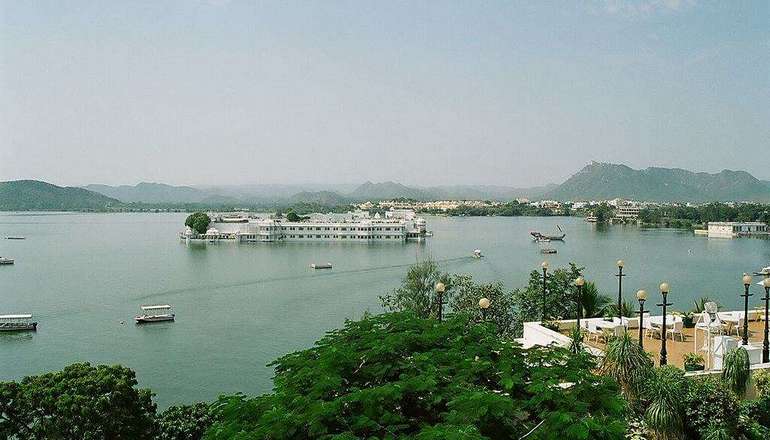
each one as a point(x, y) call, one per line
point(593, 332)
point(677, 329)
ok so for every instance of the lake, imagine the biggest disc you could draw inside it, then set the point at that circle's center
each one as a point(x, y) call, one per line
point(240, 306)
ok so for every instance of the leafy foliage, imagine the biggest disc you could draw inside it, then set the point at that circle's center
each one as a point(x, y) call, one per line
point(466, 295)
point(627, 363)
point(397, 376)
point(710, 406)
point(198, 221)
point(417, 292)
point(79, 402)
point(560, 298)
point(762, 382)
point(595, 304)
point(736, 369)
point(665, 412)
point(185, 422)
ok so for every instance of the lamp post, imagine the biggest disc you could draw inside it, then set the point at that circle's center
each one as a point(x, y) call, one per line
point(544, 265)
point(620, 276)
point(746, 295)
point(484, 305)
point(664, 289)
point(440, 288)
point(641, 295)
point(766, 341)
point(579, 282)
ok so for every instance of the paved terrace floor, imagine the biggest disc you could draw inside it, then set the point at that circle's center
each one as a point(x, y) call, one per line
point(676, 349)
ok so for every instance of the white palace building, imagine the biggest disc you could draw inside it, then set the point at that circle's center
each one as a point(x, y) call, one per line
point(352, 227)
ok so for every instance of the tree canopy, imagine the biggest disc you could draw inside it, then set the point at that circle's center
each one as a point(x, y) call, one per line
point(398, 376)
point(81, 402)
point(198, 221)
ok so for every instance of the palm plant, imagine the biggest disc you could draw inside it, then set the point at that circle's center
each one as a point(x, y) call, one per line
point(594, 303)
point(699, 305)
point(736, 370)
point(626, 362)
point(664, 390)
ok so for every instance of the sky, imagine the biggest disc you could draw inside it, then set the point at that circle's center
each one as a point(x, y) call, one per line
point(516, 93)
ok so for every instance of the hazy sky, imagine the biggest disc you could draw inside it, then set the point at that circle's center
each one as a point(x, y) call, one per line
point(422, 92)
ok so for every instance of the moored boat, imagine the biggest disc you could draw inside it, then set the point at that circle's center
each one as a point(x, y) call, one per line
point(4, 260)
point(321, 265)
point(14, 237)
point(155, 313)
point(16, 323)
point(548, 251)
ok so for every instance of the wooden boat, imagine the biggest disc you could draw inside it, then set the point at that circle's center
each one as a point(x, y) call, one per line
point(155, 313)
point(537, 236)
point(4, 260)
point(16, 323)
point(14, 237)
point(548, 251)
point(321, 265)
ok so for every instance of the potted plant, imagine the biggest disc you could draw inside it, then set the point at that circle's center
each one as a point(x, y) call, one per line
point(688, 320)
point(694, 362)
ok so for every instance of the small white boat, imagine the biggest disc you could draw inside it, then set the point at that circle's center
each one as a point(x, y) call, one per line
point(764, 271)
point(155, 313)
point(477, 253)
point(4, 260)
point(16, 323)
point(321, 265)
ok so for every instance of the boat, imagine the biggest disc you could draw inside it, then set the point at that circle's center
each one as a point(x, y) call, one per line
point(321, 265)
point(14, 237)
point(765, 271)
point(477, 253)
point(537, 236)
point(592, 219)
point(4, 260)
point(548, 251)
point(16, 323)
point(155, 313)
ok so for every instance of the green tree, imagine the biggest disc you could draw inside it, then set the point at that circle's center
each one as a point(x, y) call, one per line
point(293, 217)
point(626, 362)
point(185, 422)
point(79, 402)
point(594, 304)
point(664, 390)
point(417, 292)
point(466, 295)
point(398, 376)
point(198, 221)
point(560, 298)
point(603, 213)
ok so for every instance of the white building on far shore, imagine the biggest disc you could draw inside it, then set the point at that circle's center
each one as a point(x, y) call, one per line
point(736, 229)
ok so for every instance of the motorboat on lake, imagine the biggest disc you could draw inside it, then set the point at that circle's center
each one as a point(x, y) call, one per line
point(765, 271)
point(14, 237)
point(155, 313)
point(4, 260)
point(16, 323)
point(477, 253)
point(321, 265)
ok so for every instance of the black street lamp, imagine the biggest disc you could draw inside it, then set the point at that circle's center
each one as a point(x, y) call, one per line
point(440, 288)
point(544, 265)
point(620, 276)
point(579, 282)
point(641, 295)
point(664, 289)
point(484, 305)
point(746, 295)
point(766, 343)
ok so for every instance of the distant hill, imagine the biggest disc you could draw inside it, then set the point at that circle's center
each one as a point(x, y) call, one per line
point(603, 181)
point(154, 193)
point(486, 192)
point(387, 191)
point(328, 198)
point(32, 195)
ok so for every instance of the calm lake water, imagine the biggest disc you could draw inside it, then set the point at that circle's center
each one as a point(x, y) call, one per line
point(240, 306)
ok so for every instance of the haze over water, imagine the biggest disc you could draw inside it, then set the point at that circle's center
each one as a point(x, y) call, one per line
point(241, 306)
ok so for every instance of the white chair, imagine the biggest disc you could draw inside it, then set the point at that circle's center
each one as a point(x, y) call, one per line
point(593, 332)
point(677, 329)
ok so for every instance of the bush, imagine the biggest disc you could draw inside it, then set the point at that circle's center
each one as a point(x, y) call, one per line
point(693, 362)
point(762, 382)
point(710, 402)
point(736, 370)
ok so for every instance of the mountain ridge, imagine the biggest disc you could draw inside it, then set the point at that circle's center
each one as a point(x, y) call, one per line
point(31, 195)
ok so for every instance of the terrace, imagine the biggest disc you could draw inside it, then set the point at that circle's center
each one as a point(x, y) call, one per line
point(710, 340)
